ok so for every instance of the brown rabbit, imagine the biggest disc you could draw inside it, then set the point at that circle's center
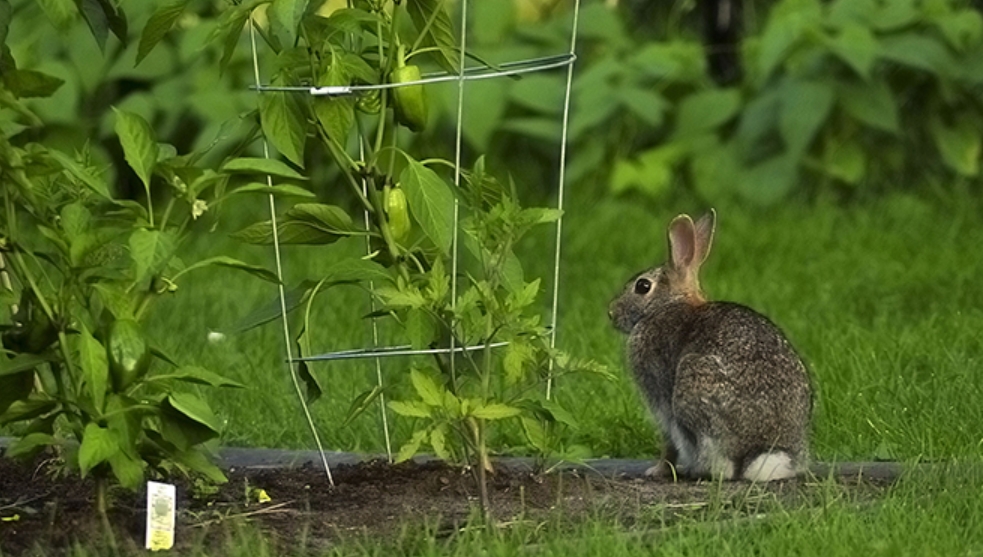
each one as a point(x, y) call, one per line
point(732, 397)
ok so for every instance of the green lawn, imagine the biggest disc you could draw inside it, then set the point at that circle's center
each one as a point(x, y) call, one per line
point(882, 299)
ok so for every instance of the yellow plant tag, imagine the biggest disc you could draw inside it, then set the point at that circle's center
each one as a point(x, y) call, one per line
point(161, 503)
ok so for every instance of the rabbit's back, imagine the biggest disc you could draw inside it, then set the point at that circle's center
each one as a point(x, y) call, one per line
point(725, 370)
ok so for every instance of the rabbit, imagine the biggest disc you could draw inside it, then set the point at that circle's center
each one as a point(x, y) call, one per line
point(732, 397)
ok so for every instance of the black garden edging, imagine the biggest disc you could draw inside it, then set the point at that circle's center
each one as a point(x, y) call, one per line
point(262, 458)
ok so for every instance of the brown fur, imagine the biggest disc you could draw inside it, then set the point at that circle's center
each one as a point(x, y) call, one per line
point(722, 380)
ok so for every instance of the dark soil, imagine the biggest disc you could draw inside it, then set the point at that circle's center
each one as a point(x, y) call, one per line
point(375, 499)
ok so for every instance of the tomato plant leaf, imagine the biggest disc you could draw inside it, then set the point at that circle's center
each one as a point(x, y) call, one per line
point(411, 447)
point(426, 388)
point(494, 411)
point(411, 409)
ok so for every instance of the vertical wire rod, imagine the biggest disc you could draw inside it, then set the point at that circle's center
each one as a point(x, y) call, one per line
point(375, 324)
point(279, 275)
point(562, 191)
point(457, 178)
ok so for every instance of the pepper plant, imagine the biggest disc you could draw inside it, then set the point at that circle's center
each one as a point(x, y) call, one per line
point(411, 206)
point(81, 271)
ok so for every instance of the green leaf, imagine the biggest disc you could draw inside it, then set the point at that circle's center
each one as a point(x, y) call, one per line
point(278, 190)
point(158, 25)
point(871, 103)
point(29, 445)
point(439, 34)
point(82, 174)
point(31, 83)
point(25, 408)
point(705, 111)
point(542, 93)
point(284, 124)
point(102, 17)
point(769, 181)
point(545, 129)
point(517, 356)
point(272, 167)
point(361, 403)
point(649, 106)
point(336, 114)
point(778, 40)
point(115, 298)
point(346, 271)
point(405, 297)
point(150, 251)
point(535, 434)
point(195, 409)
point(494, 411)
point(288, 13)
point(14, 389)
point(419, 328)
point(805, 107)
point(408, 450)
point(229, 29)
point(139, 144)
point(60, 12)
point(329, 217)
point(196, 461)
point(232, 263)
point(961, 28)
point(21, 363)
point(845, 161)
point(438, 440)
point(652, 172)
point(98, 445)
point(127, 469)
point(857, 47)
point(410, 409)
point(431, 202)
point(426, 388)
point(560, 414)
point(6, 14)
point(95, 366)
point(676, 61)
point(959, 145)
point(197, 375)
point(313, 386)
point(919, 51)
point(76, 220)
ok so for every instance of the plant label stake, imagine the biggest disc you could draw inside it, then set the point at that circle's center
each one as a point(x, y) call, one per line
point(161, 502)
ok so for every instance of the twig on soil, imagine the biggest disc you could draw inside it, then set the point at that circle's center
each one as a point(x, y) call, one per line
point(272, 509)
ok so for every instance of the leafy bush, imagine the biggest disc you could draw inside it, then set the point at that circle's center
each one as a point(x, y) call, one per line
point(835, 96)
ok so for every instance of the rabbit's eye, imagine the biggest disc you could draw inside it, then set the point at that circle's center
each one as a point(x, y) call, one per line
point(642, 286)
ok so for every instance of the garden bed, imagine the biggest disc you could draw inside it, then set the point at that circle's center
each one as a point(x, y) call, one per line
point(375, 499)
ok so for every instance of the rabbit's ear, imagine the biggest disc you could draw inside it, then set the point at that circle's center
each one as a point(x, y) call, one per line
point(704, 235)
point(682, 242)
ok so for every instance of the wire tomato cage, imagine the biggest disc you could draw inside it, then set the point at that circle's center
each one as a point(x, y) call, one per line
point(465, 74)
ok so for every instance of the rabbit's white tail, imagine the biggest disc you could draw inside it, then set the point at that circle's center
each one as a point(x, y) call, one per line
point(770, 466)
